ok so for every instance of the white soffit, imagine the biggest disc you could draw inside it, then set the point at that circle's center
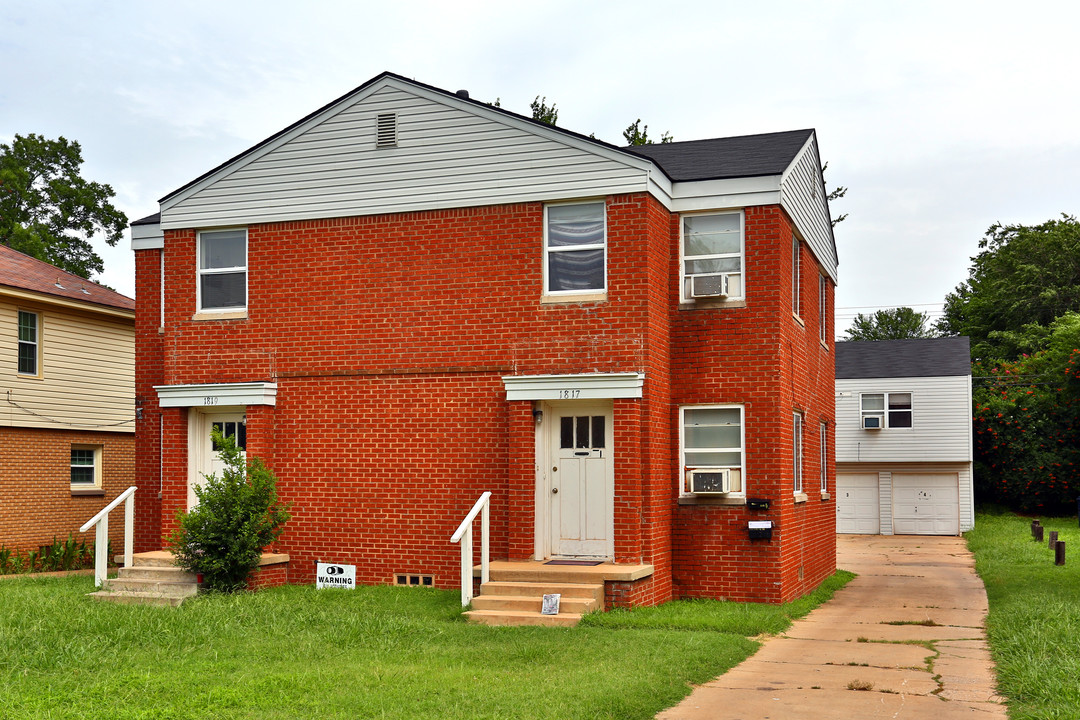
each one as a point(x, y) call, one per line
point(592, 386)
point(223, 394)
point(147, 237)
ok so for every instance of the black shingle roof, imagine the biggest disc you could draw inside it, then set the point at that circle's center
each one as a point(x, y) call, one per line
point(730, 157)
point(932, 357)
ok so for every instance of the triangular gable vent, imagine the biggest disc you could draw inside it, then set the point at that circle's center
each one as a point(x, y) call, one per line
point(386, 130)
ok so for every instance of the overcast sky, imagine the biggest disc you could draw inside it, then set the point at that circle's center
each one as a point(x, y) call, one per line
point(941, 118)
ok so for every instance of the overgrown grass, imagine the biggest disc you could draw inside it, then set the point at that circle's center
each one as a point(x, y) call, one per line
point(375, 652)
point(1034, 620)
point(749, 619)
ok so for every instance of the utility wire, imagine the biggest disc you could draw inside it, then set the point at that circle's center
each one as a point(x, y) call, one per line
point(64, 422)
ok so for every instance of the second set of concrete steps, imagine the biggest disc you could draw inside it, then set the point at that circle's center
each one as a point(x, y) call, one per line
point(152, 579)
point(515, 592)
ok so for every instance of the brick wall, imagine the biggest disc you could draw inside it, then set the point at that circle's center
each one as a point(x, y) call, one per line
point(148, 372)
point(36, 502)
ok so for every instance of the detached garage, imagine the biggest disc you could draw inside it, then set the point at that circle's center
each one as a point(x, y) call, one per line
point(903, 437)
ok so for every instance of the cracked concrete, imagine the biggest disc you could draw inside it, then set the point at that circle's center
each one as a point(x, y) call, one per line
point(910, 627)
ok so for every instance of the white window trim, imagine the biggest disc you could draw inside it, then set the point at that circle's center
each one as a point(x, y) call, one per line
point(741, 493)
point(884, 412)
point(823, 309)
point(823, 430)
point(796, 276)
point(592, 294)
point(797, 452)
point(38, 322)
point(96, 485)
point(683, 296)
point(200, 272)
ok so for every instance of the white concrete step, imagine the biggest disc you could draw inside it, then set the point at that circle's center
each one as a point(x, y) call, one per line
point(513, 617)
point(125, 597)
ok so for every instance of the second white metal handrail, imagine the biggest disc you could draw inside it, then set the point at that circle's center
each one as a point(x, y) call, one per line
point(101, 535)
point(464, 535)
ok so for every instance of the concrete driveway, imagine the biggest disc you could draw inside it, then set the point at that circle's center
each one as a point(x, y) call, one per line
point(903, 640)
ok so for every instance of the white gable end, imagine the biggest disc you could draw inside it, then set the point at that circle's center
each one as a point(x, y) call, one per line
point(802, 195)
point(449, 153)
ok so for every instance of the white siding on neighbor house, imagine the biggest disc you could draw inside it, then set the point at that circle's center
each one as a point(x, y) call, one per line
point(87, 368)
point(802, 195)
point(941, 421)
point(449, 153)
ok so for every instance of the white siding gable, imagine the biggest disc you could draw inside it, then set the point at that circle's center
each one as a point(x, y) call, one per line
point(941, 421)
point(802, 195)
point(449, 153)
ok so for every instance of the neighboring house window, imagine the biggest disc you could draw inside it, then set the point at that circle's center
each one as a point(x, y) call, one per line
point(223, 270)
point(575, 248)
point(796, 452)
point(823, 309)
point(28, 342)
point(795, 270)
point(85, 466)
point(712, 254)
point(824, 431)
point(712, 437)
point(886, 410)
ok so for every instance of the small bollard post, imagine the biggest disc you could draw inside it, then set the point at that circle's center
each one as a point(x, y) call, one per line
point(1059, 553)
point(1053, 539)
point(1035, 523)
point(1038, 533)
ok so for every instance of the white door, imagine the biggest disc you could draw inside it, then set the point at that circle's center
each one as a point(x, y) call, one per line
point(926, 504)
point(207, 460)
point(582, 509)
point(857, 509)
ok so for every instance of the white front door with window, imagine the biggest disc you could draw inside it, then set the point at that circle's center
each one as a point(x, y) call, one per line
point(205, 458)
point(582, 481)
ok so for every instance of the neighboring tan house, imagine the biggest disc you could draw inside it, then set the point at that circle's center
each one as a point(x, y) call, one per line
point(409, 298)
point(903, 437)
point(67, 418)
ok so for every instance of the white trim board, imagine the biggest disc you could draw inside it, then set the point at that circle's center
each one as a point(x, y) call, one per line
point(217, 394)
point(590, 386)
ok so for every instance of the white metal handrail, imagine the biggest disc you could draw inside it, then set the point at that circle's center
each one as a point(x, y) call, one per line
point(101, 535)
point(464, 534)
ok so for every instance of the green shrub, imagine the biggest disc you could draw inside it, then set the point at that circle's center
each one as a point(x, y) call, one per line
point(238, 515)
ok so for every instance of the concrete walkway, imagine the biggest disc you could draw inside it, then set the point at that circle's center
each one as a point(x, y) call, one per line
point(903, 640)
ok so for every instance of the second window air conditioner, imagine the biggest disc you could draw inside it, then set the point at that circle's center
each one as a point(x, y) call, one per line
point(710, 481)
point(709, 286)
point(873, 422)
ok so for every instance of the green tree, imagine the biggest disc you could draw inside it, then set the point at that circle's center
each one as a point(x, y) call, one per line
point(543, 113)
point(636, 134)
point(238, 515)
point(893, 324)
point(1027, 423)
point(48, 210)
point(1023, 278)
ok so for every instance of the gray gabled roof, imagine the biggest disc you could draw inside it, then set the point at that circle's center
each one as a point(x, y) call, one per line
point(722, 158)
point(931, 357)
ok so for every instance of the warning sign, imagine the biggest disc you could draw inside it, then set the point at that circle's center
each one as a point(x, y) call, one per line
point(328, 575)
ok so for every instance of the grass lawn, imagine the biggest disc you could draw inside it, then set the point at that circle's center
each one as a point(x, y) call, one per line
point(375, 652)
point(1034, 620)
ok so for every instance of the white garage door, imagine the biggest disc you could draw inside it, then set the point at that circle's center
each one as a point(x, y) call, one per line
point(926, 504)
point(857, 504)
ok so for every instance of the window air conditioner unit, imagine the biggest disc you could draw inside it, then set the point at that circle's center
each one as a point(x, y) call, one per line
point(710, 481)
point(709, 286)
point(873, 422)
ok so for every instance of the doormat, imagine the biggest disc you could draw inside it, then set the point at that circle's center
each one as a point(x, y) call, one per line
point(574, 562)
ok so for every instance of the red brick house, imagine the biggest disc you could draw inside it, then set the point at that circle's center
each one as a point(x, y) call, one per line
point(409, 297)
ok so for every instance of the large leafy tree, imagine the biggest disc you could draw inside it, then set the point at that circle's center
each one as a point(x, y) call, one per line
point(1022, 279)
point(48, 210)
point(1027, 422)
point(893, 324)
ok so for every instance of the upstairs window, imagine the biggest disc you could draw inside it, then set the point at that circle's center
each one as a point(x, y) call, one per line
point(796, 267)
point(823, 309)
point(223, 270)
point(575, 248)
point(886, 410)
point(712, 256)
point(824, 459)
point(28, 342)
